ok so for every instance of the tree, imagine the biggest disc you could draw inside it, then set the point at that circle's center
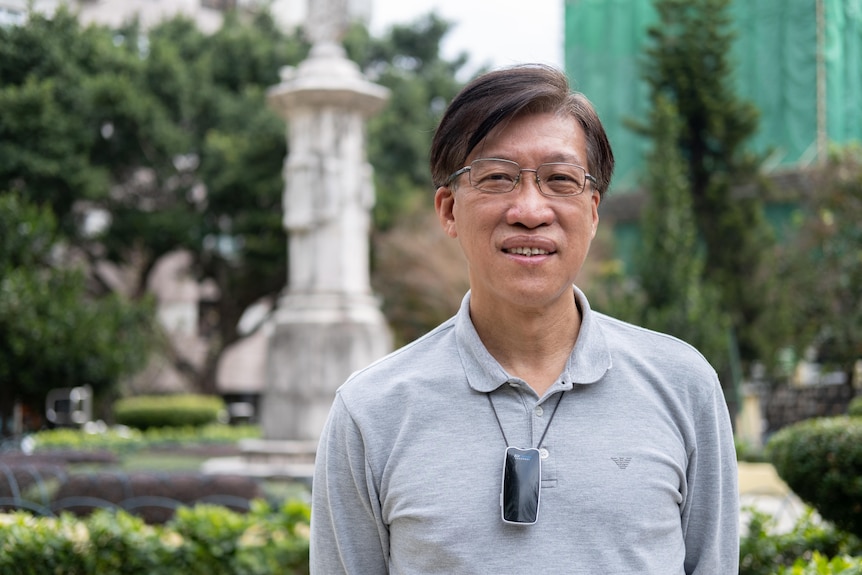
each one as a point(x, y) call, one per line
point(678, 298)
point(667, 290)
point(819, 270)
point(52, 332)
point(834, 241)
point(407, 60)
point(74, 118)
point(688, 63)
point(168, 133)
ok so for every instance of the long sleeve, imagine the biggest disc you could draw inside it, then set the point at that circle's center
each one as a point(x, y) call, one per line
point(710, 517)
point(347, 531)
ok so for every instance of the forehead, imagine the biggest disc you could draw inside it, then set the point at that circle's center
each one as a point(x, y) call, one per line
point(544, 137)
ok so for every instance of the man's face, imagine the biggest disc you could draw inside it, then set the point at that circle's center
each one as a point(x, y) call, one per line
point(495, 230)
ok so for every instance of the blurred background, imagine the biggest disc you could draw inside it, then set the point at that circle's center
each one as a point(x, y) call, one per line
point(143, 251)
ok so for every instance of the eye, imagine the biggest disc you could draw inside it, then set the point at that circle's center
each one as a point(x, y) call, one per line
point(498, 176)
point(495, 176)
point(562, 179)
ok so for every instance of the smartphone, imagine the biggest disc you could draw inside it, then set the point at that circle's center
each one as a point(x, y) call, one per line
point(522, 478)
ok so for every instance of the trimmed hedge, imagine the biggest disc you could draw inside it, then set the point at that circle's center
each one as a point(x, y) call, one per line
point(821, 461)
point(200, 540)
point(148, 411)
point(125, 439)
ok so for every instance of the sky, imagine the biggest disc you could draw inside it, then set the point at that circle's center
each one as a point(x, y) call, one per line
point(495, 32)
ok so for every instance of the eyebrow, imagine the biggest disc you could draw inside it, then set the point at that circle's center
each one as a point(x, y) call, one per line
point(565, 158)
point(557, 157)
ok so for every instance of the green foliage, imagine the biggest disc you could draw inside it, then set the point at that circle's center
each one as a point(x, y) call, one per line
point(117, 440)
point(53, 331)
point(762, 551)
point(821, 461)
point(673, 297)
point(149, 411)
point(688, 64)
point(824, 259)
point(55, 546)
point(169, 134)
point(855, 407)
point(123, 543)
point(820, 565)
point(201, 540)
point(122, 439)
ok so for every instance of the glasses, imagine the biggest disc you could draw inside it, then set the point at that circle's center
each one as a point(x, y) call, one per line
point(496, 176)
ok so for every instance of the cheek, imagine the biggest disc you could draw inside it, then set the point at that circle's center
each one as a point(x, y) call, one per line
point(469, 228)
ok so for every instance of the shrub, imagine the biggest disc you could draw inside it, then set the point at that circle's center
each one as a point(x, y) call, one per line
point(821, 461)
point(148, 411)
point(124, 439)
point(44, 545)
point(820, 565)
point(763, 552)
point(200, 540)
point(855, 407)
point(115, 440)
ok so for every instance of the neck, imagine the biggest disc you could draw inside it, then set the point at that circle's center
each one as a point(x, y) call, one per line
point(533, 345)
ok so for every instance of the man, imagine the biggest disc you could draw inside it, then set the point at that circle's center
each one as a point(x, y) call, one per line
point(626, 430)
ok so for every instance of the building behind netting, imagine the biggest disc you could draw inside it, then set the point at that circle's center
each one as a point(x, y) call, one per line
point(798, 61)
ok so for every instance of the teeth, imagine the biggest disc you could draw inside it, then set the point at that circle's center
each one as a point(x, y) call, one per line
point(528, 251)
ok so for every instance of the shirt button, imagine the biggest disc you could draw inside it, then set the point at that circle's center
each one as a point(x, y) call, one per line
point(513, 384)
point(543, 453)
point(539, 411)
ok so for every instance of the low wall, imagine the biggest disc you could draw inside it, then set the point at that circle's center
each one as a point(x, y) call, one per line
point(787, 405)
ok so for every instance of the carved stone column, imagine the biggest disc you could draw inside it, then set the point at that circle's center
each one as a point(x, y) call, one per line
point(327, 323)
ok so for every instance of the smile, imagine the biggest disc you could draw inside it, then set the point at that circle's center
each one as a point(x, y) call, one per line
point(528, 251)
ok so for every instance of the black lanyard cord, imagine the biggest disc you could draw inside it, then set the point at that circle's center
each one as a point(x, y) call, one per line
point(550, 419)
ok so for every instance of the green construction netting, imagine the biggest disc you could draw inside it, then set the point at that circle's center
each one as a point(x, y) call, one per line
point(776, 60)
point(843, 50)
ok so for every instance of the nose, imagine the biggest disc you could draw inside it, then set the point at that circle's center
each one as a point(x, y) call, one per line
point(529, 207)
point(534, 177)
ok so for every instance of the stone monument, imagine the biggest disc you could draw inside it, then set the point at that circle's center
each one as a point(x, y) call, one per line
point(327, 323)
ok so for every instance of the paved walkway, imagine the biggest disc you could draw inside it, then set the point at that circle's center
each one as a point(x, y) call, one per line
point(761, 488)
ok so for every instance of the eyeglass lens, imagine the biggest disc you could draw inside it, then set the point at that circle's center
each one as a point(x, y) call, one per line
point(501, 176)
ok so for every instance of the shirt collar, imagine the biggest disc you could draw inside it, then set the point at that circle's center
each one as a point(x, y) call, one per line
point(589, 361)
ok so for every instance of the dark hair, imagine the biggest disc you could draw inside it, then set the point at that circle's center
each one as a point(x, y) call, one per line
point(503, 94)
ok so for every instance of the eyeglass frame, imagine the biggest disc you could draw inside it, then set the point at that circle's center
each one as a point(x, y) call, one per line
point(467, 169)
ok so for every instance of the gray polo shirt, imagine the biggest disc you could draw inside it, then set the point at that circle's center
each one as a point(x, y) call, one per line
point(638, 464)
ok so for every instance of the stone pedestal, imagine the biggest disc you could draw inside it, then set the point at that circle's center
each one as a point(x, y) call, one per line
point(317, 342)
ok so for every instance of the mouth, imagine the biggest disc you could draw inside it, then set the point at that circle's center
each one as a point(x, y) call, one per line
point(529, 252)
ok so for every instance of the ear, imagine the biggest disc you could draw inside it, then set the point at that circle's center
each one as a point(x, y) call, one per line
point(595, 200)
point(444, 205)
